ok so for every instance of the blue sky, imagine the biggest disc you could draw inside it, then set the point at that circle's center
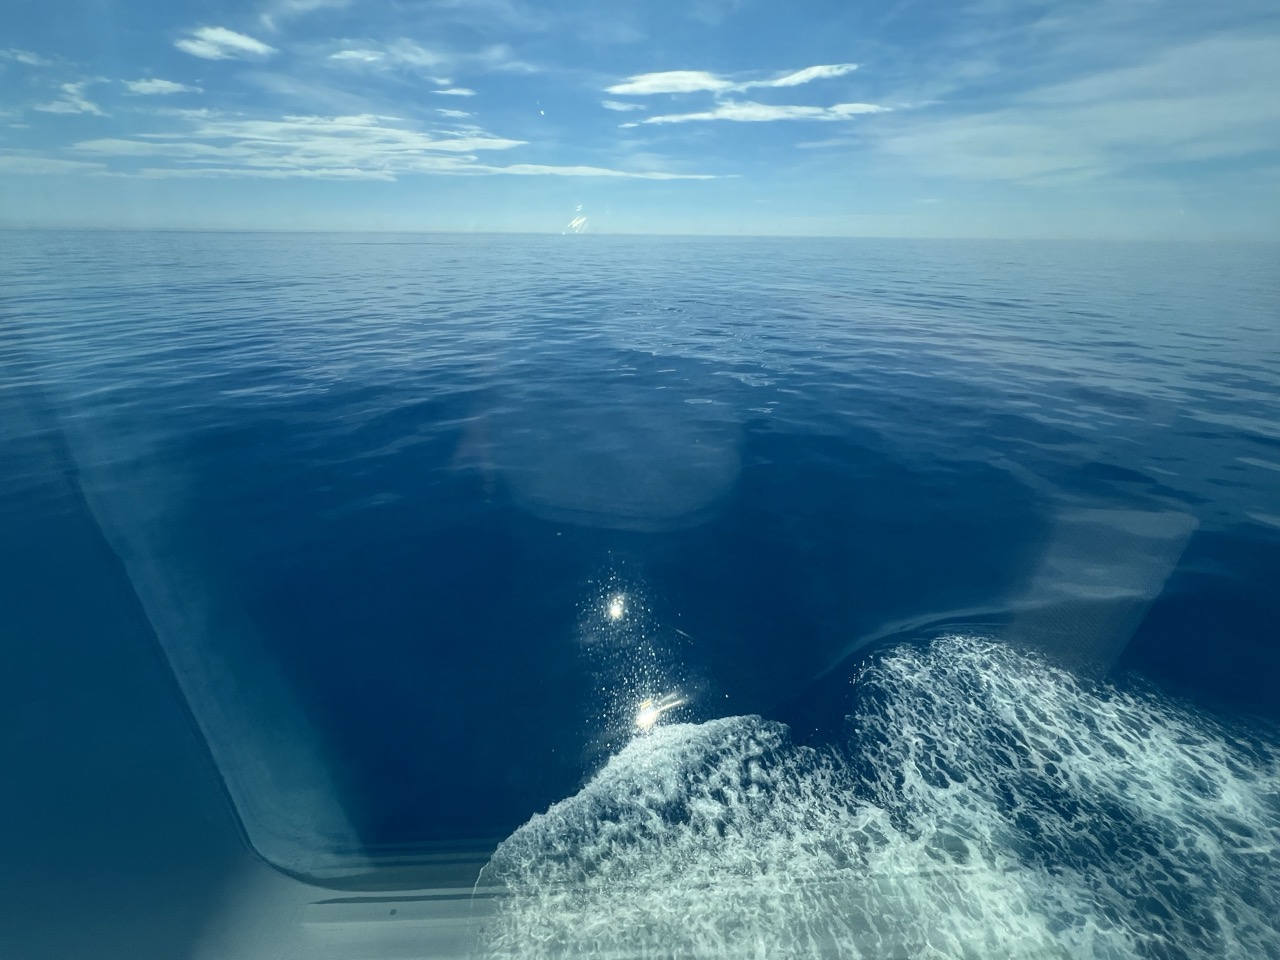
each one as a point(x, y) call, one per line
point(1014, 118)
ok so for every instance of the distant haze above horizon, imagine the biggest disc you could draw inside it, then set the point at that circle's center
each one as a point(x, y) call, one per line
point(1144, 119)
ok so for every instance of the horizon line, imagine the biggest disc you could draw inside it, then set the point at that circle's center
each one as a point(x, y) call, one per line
point(378, 231)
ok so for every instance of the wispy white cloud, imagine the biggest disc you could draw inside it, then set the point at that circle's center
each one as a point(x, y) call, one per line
point(409, 54)
point(497, 58)
point(750, 112)
point(26, 57)
point(1210, 99)
point(398, 53)
point(363, 147)
point(538, 169)
point(219, 43)
point(712, 12)
point(515, 17)
point(155, 86)
point(184, 113)
point(700, 81)
point(671, 81)
point(258, 173)
point(455, 92)
point(357, 173)
point(25, 162)
point(358, 55)
point(305, 146)
point(455, 114)
point(830, 142)
point(72, 100)
point(313, 93)
point(820, 72)
point(280, 10)
point(621, 107)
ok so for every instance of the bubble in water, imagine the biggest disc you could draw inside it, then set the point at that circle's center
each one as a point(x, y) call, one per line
point(987, 805)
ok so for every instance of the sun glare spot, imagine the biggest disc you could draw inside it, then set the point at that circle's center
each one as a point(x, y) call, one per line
point(651, 710)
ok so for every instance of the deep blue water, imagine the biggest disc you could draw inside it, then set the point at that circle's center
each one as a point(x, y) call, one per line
point(378, 493)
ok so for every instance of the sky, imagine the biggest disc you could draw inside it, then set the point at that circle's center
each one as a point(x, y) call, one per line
point(964, 118)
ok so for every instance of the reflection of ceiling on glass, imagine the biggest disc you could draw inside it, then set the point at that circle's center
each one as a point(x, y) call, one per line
point(634, 458)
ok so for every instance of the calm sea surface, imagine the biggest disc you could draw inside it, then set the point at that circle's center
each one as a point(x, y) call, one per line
point(419, 521)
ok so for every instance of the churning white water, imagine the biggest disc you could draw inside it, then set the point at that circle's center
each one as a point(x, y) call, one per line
point(983, 805)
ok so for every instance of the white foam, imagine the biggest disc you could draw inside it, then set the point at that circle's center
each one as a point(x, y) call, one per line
point(987, 806)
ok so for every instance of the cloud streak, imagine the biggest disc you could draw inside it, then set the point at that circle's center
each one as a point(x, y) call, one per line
point(219, 43)
point(750, 112)
point(72, 100)
point(358, 56)
point(408, 54)
point(538, 169)
point(700, 81)
point(819, 72)
point(671, 81)
point(361, 147)
point(400, 53)
point(1212, 99)
point(280, 10)
point(26, 57)
point(154, 86)
point(31, 164)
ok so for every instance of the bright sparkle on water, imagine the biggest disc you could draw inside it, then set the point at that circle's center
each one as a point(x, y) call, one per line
point(617, 607)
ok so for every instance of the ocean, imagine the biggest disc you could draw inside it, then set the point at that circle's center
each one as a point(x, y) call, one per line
point(955, 562)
